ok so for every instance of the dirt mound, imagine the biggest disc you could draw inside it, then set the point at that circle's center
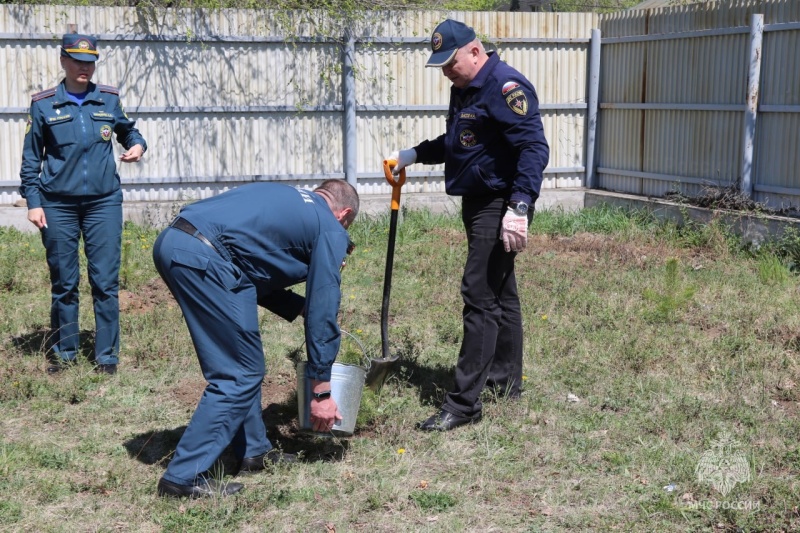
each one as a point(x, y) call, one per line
point(152, 294)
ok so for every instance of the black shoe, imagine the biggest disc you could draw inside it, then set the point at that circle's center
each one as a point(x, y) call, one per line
point(258, 463)
point(202, 489)
point(54, 367)
point(445, 421)
point(106, 369)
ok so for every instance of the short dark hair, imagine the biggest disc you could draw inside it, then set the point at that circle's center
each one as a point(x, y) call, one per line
point(343, 195)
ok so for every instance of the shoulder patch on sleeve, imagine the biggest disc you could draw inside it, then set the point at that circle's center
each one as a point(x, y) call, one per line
point(47, 93)
point(108, 89)
point(509, 86)
point(514, 95)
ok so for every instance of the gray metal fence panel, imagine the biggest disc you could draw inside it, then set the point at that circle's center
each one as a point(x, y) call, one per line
point(674, 85)
point(225, 97)
point(230, 96)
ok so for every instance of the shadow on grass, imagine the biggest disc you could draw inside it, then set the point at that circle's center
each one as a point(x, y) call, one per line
point(39, 343)
point(157, 447)
point(431, 382)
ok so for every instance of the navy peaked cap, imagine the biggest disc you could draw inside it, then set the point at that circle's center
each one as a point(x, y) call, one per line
point(79, 47)
point(447, 38)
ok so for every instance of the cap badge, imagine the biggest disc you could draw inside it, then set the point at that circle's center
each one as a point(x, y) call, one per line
point(436, 41)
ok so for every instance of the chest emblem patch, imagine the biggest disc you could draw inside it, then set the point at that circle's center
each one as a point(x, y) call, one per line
point(105, 132)
point(518, 102)
point(467, 139)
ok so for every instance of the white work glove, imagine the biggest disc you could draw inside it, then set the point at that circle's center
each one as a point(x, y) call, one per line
point(514, 232)
point(403, 158)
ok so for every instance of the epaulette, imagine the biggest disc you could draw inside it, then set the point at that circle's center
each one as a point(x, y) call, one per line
point(47, 93)
point(108, 89)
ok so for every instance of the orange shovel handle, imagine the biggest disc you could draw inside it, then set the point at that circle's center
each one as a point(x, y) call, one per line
point(395, 182)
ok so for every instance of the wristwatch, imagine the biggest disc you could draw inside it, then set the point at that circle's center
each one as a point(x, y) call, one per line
point(519, 208)
point(322, 395)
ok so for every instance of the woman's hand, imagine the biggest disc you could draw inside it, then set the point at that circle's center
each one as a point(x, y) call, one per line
point(133, 155)
point(37, 218)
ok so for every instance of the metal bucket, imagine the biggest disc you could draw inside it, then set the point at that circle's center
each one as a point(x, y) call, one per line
point(347, 384)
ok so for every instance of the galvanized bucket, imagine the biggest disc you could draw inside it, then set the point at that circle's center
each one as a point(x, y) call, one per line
point(347, 384)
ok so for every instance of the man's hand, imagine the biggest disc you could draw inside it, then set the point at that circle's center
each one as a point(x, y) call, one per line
point(403, 158)
point(323, 413)
point(514, 232)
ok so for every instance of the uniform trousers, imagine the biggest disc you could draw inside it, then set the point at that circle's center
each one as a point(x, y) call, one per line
point(219, 305)
point(98, 219)
point(491, 350)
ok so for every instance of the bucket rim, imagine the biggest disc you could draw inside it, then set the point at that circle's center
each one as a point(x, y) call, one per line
point(337, 363)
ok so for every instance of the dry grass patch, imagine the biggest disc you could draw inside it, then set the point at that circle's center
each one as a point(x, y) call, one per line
point(619, 403)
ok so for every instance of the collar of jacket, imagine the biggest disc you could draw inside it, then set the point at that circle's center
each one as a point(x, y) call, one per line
point(61, 97)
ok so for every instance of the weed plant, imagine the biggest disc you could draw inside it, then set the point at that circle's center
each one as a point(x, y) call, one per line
point(672, 297)
point(646, 345)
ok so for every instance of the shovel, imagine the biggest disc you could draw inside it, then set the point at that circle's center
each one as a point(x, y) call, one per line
point(379, 368)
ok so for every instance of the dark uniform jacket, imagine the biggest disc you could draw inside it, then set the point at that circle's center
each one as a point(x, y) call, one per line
point(67, 149)
point(279, 236)
point(494, 144)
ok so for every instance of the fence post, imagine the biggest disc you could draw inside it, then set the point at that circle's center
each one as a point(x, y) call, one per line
point(754, 76)
point(594, 91)
point(349, 106)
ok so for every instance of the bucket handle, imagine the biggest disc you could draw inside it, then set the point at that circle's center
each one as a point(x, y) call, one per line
point(363, 350)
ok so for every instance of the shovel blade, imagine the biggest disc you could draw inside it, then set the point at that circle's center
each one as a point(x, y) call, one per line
point(378, 371)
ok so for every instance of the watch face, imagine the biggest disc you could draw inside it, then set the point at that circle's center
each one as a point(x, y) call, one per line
point(519, 208)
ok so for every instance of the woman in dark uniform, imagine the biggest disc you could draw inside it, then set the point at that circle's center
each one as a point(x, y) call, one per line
point(72, 188)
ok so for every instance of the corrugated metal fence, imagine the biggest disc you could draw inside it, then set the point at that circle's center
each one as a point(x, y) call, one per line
point(227, 97)
point(702, 95)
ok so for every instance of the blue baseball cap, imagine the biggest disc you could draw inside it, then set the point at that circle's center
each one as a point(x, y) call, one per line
point(79, 47)
point(447, 38)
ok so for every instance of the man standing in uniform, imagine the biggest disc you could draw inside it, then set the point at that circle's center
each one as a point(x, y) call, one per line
point(221, 258)
point(494, 152)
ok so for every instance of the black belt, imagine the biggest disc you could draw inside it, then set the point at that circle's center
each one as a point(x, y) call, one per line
point(187, 227)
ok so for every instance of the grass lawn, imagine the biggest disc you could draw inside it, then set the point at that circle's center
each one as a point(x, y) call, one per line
point(661, 393)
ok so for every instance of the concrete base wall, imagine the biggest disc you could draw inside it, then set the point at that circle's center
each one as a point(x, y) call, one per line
point(752, 227)
point(159, 214)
